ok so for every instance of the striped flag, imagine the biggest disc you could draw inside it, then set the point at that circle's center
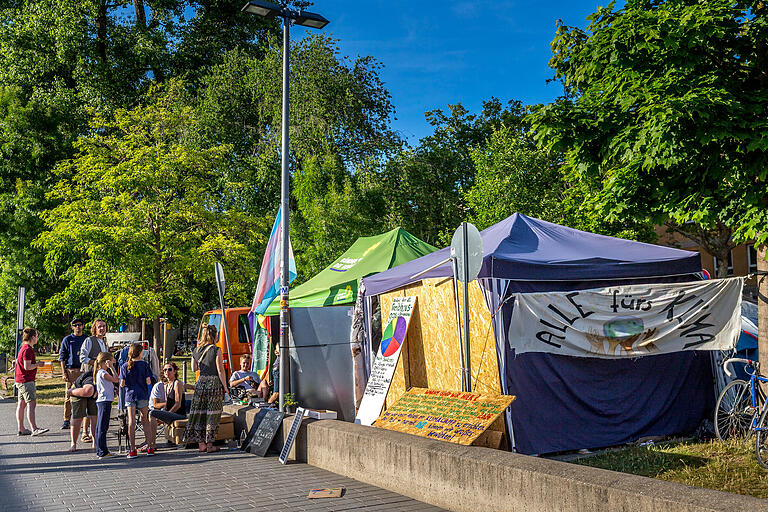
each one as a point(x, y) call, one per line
point(269, 278)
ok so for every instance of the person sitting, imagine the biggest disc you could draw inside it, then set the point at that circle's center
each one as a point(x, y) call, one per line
point(166, 402)
point(247, 380)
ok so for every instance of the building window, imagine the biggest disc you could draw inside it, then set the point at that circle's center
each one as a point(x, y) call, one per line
point(751, 258)
point(730, 263)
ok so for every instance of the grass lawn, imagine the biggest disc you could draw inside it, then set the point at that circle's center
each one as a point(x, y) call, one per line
point(50, 389)
point(721, 465)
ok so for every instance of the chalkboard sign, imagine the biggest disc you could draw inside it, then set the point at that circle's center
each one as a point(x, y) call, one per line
point(246, 439)
point(291, 435)
point(263, 431)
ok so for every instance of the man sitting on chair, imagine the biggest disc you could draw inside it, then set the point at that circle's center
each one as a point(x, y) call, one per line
point(249, 381)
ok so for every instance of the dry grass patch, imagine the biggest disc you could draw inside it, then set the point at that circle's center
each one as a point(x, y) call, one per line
point(728, 466)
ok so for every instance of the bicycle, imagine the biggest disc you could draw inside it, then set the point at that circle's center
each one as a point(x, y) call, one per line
point(738, 414)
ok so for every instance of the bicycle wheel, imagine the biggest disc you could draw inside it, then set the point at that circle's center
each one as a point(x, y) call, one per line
point(761, 441)
point(734, 411)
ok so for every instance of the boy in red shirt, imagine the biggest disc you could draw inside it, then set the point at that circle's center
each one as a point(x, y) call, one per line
point(26, 371)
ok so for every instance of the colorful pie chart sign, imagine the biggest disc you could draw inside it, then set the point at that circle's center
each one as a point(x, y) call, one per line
point(393, 336)
point(384, 364)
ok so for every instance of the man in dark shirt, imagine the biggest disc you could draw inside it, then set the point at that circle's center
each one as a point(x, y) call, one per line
point(69, 356)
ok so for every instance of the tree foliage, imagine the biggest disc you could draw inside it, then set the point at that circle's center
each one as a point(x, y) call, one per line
point(139, 221)
point(664, 115)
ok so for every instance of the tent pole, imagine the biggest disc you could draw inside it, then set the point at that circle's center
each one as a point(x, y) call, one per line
point(467, 360)
point(458, 319)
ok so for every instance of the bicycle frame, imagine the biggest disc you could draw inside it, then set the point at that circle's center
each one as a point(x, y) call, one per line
point(753, 378)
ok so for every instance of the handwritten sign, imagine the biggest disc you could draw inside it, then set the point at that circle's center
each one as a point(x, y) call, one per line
point(629, 321)
point(263, 432)
point(383, 369)
point(454, 416)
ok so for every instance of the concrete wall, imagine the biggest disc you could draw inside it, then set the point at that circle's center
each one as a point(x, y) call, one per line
point(476, 479)
point(470, 478)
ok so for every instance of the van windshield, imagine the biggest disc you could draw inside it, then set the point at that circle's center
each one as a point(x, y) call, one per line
point(209, 319)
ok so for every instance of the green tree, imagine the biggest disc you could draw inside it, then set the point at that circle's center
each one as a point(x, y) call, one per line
point(664, 118)
point(339, 137)
point(423, 186)
point(663, 115)
point(58, 61)
point(139, 220)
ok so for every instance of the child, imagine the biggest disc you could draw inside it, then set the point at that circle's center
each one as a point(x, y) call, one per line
point(136, 377)
point(105, 380)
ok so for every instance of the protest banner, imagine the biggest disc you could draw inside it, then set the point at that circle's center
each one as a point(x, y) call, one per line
point(629, 321)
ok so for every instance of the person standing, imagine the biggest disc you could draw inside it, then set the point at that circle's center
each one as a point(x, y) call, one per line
point(106, 379)
point(83, 395)
point(93, 345)
point(69, 357)
point(24, 381)
point(206, 408)
point(136, 377)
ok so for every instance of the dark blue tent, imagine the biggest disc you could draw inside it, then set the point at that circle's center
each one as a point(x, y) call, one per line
point(566, 403)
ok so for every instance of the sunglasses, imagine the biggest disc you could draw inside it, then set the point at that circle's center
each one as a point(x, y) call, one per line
point(77, 325)
point(167, 369)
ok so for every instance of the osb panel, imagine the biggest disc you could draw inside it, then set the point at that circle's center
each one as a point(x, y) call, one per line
point(452, 416)
point(431, 357)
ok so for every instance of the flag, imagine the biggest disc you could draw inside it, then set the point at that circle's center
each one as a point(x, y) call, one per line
point(269, 278)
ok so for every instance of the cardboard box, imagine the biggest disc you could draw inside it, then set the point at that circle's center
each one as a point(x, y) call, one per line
point(321, 414)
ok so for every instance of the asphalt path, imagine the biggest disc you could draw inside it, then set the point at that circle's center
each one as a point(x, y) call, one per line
point(39, 474)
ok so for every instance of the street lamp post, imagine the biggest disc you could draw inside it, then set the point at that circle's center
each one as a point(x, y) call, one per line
point(312, 20)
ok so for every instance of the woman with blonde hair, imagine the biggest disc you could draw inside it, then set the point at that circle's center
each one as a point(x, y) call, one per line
point(205, 411)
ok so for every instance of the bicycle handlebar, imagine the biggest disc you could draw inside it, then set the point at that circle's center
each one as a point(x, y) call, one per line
point(738, 360)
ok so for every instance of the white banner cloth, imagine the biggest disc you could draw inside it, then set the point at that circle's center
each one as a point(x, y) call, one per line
point(629, 321)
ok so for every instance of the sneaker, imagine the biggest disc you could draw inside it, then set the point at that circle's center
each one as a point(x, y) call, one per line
point(65, 425)
point(24, 432)
point(132, 454)
point(150, 452)
point(38, 431)
point(106, 455)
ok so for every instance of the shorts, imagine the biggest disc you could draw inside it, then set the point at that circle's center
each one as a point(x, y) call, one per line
point(26, 391)
point(82, 407)
point(139, 404)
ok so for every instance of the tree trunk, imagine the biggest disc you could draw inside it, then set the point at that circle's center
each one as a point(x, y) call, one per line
point(157, 335)
point(141, 13)
point(101, 33)
point(762, 305)
point(722, 264)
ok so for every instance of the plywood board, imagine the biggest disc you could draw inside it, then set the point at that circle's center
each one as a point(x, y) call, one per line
point(452, 416)
point(431, 356)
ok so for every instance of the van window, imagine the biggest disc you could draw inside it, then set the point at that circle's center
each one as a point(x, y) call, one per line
point(243, 329)
point(209, 319)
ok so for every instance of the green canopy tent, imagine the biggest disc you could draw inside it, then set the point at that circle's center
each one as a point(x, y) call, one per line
point(337, 284)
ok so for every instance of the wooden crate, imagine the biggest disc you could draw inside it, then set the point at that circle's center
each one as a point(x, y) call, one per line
point(175, 432)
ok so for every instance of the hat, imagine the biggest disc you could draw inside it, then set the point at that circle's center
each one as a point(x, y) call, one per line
point(77, 321)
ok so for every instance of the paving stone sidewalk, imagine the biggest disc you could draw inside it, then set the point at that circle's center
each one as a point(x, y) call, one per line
point(39, 474)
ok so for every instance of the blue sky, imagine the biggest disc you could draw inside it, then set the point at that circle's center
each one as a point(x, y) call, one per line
point(440, 53)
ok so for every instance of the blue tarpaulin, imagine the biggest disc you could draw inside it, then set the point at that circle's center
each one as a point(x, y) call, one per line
point(567, 403)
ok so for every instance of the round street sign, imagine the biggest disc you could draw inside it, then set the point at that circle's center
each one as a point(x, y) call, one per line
point(467, 236)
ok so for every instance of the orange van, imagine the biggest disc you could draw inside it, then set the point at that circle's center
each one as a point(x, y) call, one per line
point(240, 341)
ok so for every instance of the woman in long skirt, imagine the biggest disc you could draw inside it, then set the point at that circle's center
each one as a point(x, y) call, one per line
point(205, 412)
